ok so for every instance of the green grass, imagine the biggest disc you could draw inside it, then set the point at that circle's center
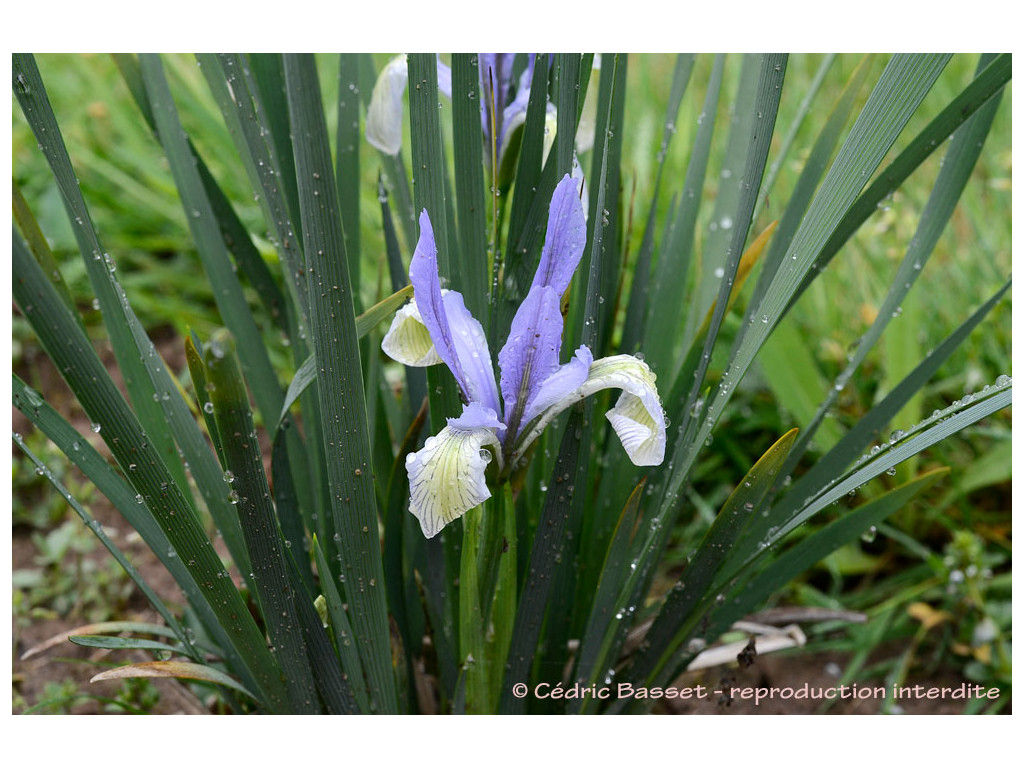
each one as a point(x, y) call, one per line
point(128, 183)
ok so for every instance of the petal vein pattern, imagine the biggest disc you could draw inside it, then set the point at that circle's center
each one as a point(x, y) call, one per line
point(637, 418)
point(447, 477)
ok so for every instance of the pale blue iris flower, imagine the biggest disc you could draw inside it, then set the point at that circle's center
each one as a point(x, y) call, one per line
point(447, 476)
point(384, 116)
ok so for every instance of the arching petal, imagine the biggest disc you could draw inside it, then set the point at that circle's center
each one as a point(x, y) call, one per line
point(447, 476)
point(458, 337)
point(408, 340)
point(384, 115)
point(637, 418)
point(560, 384)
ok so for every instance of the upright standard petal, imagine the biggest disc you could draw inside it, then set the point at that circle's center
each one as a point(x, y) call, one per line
point(447, 476)
point(458, 337)
point(637, 418)
point(530, 354)
point(384, 115)
point(565, 238)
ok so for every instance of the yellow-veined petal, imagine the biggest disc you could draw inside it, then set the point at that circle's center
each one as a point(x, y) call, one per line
point(637, 418)
point(408, 340)
point(447, 476)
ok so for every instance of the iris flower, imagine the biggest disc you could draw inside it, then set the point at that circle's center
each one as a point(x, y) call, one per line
point(447, 476)
point(384, 116)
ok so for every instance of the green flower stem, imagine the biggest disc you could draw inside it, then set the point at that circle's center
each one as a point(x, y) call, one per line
point(471, 619)
point(487, 598)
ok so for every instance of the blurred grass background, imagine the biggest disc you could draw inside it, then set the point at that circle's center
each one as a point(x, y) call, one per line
point(950, 550)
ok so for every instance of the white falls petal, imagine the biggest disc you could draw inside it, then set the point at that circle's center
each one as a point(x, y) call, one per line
point(637, 418)
point(447, 476)
point(408, 340)
point(384, 115)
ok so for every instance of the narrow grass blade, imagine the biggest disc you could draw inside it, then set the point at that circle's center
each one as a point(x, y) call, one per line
point(503, 609)
point(332, 321)
point(732, 181)
point(428, 157)
point(568, 101)
point(772, 73)
point(197, 371)
point(472, 625)
point(122, 643)
point(40, 248)
point(268, 75)
point(807, 183)
point(611, 101)
point(347, 168)
point(937, 427)
point(806, 104)
point(179, 669)
point(100, 627)
point(471, 211)
point(293, 519)
point(529, 165)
